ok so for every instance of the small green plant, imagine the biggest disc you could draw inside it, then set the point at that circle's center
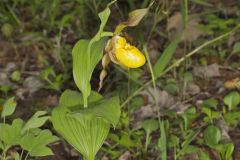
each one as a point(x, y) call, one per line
point(20, 133)
point(149, 126)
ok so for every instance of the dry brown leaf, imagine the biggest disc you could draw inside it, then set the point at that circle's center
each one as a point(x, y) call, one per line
point(51, 101)
point(224, 129)
point(32, 84)
point(209, 71)
point(164, 99)
point(192, 89)
point(145, 112)
point(175, 22)
point(190, 33)
point(126, 156)
point(136, 16)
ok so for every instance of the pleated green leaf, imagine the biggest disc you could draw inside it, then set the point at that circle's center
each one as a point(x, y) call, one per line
point(109, 110)
point(70, 98)
point(85, 128)
point(84, 134)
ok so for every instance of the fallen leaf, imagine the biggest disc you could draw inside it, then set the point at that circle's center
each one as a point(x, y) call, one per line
point(125, 156)
point(179, 107)
point(192, 89)
point(209, 71)
point(164, 99)
point(51, 101)
point(145, 112)
point(224, 129)
point(4, 80)
point(190, 33)
point(32, 84)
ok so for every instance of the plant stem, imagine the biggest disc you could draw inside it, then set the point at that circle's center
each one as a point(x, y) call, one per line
point(161, 123)
point(26, 156)
point(178, 62)
point(128, 104)
point(185, 22)
point(146, 142)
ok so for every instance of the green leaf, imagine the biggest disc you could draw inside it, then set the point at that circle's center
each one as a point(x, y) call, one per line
point(84, 134)
point(108, 110)
point(232, 100)
point(8, 107)
point(150, 125)
point(165, 58)
point(82, 71)
point(204, 155)
point(104, 15)
point(162, 142)
point(191, 149)
point(210, 103)
point(37, 120)
point(225, 150)
point(229, 150)
point(16, 156)
point(71, 98)
point(38, 143)
point(86, 55)
point(87, 129)
point(16, 76)
point(236, 47)
point(10, 134)
point(232, 118)
point(212, 135)
point(7, 29)
point(173, 141)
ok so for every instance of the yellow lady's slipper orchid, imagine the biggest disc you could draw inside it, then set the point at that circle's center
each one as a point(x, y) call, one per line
point(122, 53)
point(125, 54)
point(130, 56)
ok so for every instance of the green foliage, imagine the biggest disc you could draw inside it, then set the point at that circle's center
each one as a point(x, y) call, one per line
point(162, 141)
point(8, 107)
point(34, 141)
point(209, 107)
point(86, 55)
point(212, 135)
point(53, 79)
point(16, 76)
point(225, 150)
point(37, 120)
point(232, 100)
point(85, 129)
point(82, 68)
point(149, 126)
point(165, 58)
point(236, 48)
point(10, 134)
point(7, 29)
point(171, 86)
point(188, 117)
